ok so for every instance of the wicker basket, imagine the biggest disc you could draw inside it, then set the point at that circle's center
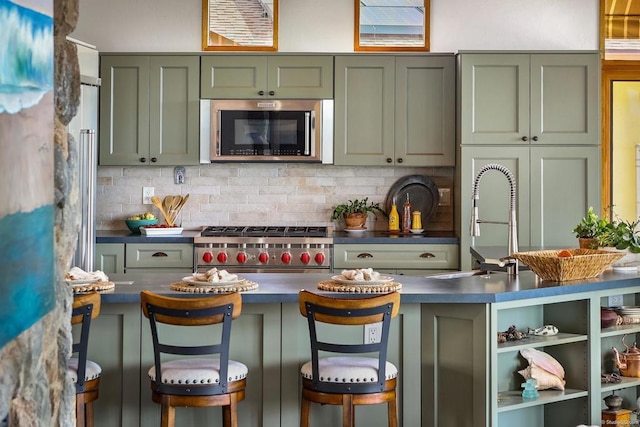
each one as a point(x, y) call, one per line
point(584, 264)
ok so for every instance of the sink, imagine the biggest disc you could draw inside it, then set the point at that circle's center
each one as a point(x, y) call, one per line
point(462, 274)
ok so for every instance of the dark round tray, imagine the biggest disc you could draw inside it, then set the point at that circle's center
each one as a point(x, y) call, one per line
point(423, 195)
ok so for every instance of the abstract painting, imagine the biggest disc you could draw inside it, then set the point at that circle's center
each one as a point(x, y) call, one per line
point(26, 165)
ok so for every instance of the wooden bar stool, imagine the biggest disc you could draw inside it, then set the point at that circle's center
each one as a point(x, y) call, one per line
point(84, 373)
point(348, 379)
point(195, 381)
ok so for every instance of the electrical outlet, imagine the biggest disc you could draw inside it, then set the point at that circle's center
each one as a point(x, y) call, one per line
point(615, 301)
point(147, 194)
point(372, 333)
point(445, 196)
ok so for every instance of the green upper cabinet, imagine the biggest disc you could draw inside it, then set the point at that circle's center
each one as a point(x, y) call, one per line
point(395, 110)
point(529, 98)
point(258, 77)
point(149, 110)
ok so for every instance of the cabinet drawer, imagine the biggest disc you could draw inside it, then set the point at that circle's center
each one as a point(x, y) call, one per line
point(173, 255)
point(397, 256)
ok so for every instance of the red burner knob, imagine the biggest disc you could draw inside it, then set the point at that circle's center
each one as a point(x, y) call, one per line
point(286, 258)
point(319, 258)
point(241, 257)
point(207, 257)
point(263, 257)
point(305, 258)
point(222, 257)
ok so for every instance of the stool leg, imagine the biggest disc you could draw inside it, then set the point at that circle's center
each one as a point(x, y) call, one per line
point(304, 412)
point(348, 411)
point(230, 412)
point(393, 412)
point(168, 416)
point(80, 415)
point(89, 414)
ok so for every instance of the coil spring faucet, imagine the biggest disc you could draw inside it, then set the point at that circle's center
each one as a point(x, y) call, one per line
point(512, 264)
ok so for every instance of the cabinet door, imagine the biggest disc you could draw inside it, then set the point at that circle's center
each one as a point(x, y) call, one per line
point(493, 193)
point(565, 181)
point(364, 110)
point(300, 77)
point(425, 111)
point(174, 119)
point(495, 98)
point(565, 106)
point(124, 110)
point(233, 77)
point(109, 257)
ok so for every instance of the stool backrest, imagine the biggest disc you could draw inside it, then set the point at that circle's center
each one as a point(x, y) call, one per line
point(86, 307)
point(348, 311)
point(188, 311)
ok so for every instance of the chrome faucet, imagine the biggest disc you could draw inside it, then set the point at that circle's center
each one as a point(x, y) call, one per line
point(512, 264)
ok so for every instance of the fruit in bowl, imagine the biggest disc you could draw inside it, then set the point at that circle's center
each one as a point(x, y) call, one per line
point(135, 222)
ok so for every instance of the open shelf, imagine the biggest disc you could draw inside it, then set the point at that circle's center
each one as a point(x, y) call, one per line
point(542, 341)
point(511, 400)
point(625, 383)
point(620, 330)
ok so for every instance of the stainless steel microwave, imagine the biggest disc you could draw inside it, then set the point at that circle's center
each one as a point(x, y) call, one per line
point(266, 131)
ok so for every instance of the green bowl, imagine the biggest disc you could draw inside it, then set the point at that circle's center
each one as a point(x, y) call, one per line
point(135, 224)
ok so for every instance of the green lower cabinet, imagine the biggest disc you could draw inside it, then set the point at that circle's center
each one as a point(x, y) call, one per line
point(403, 353)
point(109, 257)
point(114, 344)
point(254, 341)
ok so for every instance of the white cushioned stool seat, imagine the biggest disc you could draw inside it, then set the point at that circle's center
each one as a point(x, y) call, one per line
point(92, 371)
point(348, 370)
point(197, 371)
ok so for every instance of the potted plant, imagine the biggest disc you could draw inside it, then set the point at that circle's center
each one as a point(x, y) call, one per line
point(621, 235)
point(354, 213)
point(589, 228)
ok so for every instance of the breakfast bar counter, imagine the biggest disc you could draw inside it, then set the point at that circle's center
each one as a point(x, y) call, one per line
point(444, 343)
point(448, 288)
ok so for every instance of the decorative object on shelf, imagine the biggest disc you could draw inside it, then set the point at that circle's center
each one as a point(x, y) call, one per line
point(547, 371)
point(588, 229)
point(615, 414)
point(530, 391)
point(424, 194)
point(511, 334)
point(612, 378)
point(546, 330)
point(613, 401)
point(608, 317)
point(583, 264)
point(354, 213)
point(628, 362)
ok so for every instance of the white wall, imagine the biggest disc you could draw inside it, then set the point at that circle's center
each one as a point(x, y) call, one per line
point(327, 25)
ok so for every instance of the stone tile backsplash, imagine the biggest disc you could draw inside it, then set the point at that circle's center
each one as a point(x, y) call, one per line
point(256, 194)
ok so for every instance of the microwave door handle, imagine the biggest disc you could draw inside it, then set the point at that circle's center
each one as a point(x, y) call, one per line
point(218, 133)
point(307, 133)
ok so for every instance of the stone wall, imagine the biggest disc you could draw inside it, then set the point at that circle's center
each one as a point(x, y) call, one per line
point(34, 388)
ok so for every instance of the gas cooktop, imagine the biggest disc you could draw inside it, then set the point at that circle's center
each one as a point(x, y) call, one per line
point(264, 231)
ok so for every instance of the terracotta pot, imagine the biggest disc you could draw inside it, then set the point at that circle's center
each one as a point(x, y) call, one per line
point(355, 220)
point(588, 243)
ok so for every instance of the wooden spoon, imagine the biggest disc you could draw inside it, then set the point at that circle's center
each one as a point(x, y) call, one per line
point(174, 207)
point(158, 204)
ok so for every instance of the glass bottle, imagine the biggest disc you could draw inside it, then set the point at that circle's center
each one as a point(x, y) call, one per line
point(394, 217)
point(406, 216)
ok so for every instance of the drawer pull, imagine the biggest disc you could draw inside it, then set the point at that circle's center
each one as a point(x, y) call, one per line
point(365, 255)
point(427, 255)
point(160, 254)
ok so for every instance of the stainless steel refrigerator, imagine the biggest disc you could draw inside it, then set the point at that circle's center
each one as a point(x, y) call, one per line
point(84, 128)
